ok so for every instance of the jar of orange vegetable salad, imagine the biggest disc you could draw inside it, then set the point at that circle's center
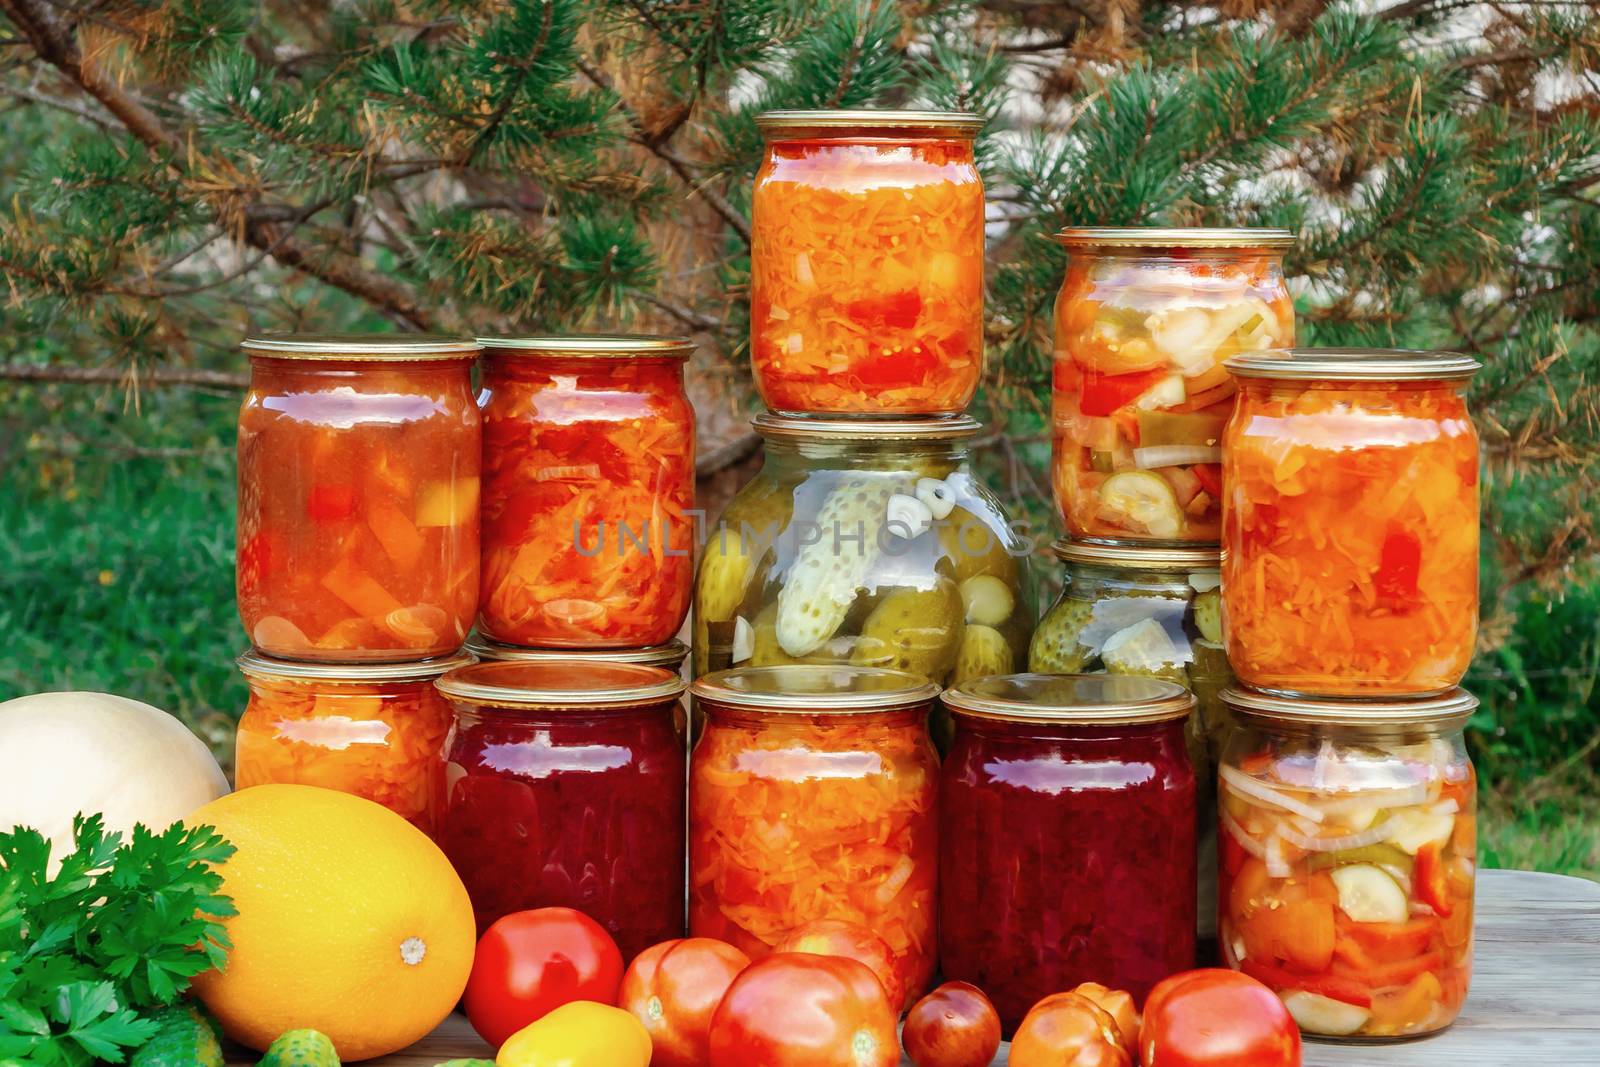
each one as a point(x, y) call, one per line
point(358, 496)
point(1350, 543)
point(376, 730)
point(866, 288)
point(1349, 845)
point(1144, 321)
point(813, 794)
point(588, 457)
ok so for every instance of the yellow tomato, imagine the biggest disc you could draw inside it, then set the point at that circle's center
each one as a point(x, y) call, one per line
point(579, 1034)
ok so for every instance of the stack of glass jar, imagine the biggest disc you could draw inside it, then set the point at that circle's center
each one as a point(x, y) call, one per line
point(866, 561)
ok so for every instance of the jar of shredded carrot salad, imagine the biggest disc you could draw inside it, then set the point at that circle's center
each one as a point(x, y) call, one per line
point(358, 496)
point(1350, 531)
point(1144, 321)
point(866, 284)
point(813, 794)
point(376, 730)
point(588, 458)
point(1349, 846)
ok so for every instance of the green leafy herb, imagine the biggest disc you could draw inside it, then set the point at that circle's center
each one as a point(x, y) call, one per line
point(90, 956)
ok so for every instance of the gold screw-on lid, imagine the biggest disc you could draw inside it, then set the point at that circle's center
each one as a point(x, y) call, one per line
point(815, 688)
point(669, 656)
point(591, 346)
point(796, 428)
point(1353, 365)
point(1445, 709)
point(1139, 557)
point(569, 684)
point(870, 120)
point(1157, 238)
point(1077, 699)
point(254, 664)
point(362, 347)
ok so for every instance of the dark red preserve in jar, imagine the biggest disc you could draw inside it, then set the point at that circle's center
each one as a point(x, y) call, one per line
point(564, 785)
point(1067, 848)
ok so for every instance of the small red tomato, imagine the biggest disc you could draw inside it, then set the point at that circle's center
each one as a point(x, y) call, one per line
point(1217, 1018)
point(1067, 1030)
point(531, 962)
point(954, 1026)
point(797, 1010)
point(1119, 1005)
point(835, 937)
point(674, 988)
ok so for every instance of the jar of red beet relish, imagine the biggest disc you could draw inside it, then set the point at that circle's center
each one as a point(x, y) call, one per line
point(1067, 843)
point(564, 785)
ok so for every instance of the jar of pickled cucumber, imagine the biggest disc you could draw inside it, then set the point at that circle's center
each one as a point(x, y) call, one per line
point(1156, 611)
point(865, 543)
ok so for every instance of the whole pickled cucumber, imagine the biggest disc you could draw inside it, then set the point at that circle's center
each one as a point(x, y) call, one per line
point(973, 548)
point(1208, 615)
point(1145, 648)
point(183, 1038)
point(821, 585)
point(1055, 648)
point(917, 630)
point(725, 573)
point(767, 652)
point(984, 651)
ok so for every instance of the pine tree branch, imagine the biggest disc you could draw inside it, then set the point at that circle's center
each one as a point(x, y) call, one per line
point(60, 372)
point(55, 43)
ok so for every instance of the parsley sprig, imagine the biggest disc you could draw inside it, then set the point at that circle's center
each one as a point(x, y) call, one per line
point(89, 955)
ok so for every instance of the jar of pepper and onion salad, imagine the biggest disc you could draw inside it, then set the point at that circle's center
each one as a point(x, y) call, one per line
point(372, 729)
point(588, 491)
point(564, 786)
point(813, 794)
point(866, 291)
point(1349, 848)
point(1143, 323)
point(1350, 530)
point(1067, 840)
point(358, 496)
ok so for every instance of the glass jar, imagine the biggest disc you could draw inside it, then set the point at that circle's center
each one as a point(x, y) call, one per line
point(1349, 846)
point(865, 543)
point(1143, 323)
point(866, 284)
point(565, 787)
point(588, 537)
point(813, 794)
point(1157, 612)
point(1067, 852)
point(358, 497)
point(375, 730)
point(1350, 542)
point(669, 657)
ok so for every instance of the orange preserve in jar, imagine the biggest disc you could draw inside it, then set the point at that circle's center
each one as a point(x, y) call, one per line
point(1350, 540)
point(813, 794)
point(866, 288)
point(376, 730)
point(588, 486)
point(358, 497)
point(1144, 321)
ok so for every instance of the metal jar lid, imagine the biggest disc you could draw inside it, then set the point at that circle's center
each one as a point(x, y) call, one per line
point(362, 347)
point(796, 428)
point(1158, 238)
point(1076, 699)
point(591, 346)
point(815, 689)
point(669, 656)
point(1451, 708)
point(561, 684)
point(869, 120)
point(1353, 365)
point(1139, 557)
point(254, 664)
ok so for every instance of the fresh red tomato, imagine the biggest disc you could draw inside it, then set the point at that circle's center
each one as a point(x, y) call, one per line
point(835, 937)
point(532, 962)
point(331, 502)
point(954, 1026)
point(1103, 394)
point(1118, 1004)
point(1068, 1030)
point(674, 989)
point(1217, 1018)
point(792, 1009)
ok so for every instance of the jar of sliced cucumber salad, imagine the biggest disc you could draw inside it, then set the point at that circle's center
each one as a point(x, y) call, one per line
point(1156, 611)
point(1144, 321)
point(865, 543)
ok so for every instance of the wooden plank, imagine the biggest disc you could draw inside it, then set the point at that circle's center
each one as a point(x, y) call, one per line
point(1535, 996)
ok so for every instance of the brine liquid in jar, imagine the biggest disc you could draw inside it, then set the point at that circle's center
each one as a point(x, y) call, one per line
point(1143, 323)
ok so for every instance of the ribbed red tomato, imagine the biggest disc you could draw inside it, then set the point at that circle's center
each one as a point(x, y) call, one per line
point(1068, 1030)
point(792, 1009)
point(1217, 1018)
point(674, 988)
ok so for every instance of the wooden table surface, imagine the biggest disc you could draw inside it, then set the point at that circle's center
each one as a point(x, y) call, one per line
point(1535, 996)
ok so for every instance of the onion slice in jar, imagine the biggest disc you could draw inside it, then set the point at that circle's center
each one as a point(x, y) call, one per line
point(1376, 835)
point(1277, 865)
point(1246, 842)
point(1175, 455)
point(1243, 783)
